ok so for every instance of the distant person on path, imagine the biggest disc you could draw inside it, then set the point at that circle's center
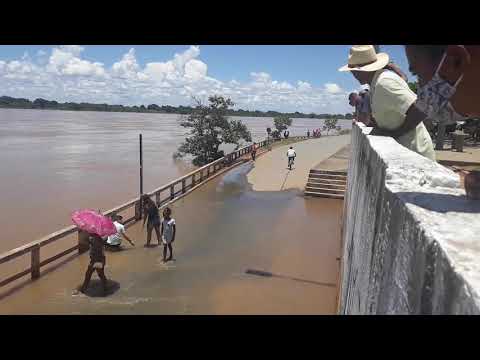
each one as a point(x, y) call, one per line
point(391, 97)
point(97, 262)
point(308, 133)
point(169, 230)
point(114, 241)
point(254, 151)
point(151, 214)
point(291, 155)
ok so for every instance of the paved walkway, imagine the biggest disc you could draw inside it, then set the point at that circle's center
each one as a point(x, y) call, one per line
point(470, 154)
point(270, 172)
point(336, 162)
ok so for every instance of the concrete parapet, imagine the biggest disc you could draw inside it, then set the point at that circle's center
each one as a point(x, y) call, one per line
point(411, 239)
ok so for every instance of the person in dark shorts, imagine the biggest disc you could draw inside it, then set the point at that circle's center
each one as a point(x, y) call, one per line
point(254, 151)
point(152, 217)
point(97, 262)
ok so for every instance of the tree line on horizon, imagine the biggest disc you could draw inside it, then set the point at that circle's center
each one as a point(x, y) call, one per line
point(20, 103)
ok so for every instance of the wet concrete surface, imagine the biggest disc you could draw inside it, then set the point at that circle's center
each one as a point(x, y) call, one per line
point(224, 228)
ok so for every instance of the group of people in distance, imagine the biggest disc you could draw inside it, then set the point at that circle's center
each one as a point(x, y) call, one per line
point(315, 133)
point(165, 230)
point(448, 81)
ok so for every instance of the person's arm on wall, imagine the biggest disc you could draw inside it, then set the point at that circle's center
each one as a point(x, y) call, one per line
point(364, 118)
point(393, 96)
point(412, 119)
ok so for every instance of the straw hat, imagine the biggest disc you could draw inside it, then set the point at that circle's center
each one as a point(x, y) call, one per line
point(364, 58)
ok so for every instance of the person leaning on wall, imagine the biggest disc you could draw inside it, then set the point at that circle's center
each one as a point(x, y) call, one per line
point(391, 98)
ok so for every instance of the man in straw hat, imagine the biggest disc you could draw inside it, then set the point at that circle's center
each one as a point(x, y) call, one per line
point(390, 97)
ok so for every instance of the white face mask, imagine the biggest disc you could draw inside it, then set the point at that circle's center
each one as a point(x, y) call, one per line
point(433, 98)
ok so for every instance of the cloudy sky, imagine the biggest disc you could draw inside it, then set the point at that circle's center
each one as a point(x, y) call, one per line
point(283, 78)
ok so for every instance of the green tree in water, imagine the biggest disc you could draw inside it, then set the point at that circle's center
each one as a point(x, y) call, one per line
point(282, 123)
point(330, 124)
point(209, 128)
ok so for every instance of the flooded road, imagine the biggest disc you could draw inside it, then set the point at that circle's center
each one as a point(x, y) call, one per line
point(56, 161)
point(224, 228)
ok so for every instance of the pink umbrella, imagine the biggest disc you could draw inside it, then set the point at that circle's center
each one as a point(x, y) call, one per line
point(93, 222)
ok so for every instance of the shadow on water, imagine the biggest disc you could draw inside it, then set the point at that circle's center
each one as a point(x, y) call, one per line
point(269, 274)
point(95, 288)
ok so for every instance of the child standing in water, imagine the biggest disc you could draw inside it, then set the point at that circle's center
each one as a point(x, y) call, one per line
point(168, 232)
point(152, 217)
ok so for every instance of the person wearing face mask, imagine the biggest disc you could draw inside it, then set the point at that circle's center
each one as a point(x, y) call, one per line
point(449, 81)
point(433, 93)
point(390, 97)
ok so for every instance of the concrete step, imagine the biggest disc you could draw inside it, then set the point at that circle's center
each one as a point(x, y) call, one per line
point(329, 181)
point(328, 176)
point(326, 186)
point(324, 190)
point(317, 194)
point(313, 171)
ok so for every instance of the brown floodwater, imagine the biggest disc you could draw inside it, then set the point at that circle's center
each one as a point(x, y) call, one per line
point(53, 162)
point(224, 228)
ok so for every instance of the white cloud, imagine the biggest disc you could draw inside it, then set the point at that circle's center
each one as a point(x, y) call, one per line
point(127, 67)
point(64, 75)
point(65, 60)
point(303, 86)
point(195, 69)
point(333, 88)
point(72, 49)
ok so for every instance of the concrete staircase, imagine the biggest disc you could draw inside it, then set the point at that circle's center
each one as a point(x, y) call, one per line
point(327, 184)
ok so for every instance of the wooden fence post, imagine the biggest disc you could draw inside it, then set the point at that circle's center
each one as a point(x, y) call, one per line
point(172, 192)
point(157, 198)
point(184, 187)
point(35, 263)
point(138, 210)
point(193, 180)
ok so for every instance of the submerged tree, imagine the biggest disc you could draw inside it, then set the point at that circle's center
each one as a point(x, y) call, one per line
point(330, 124)
point(282, 122)
point(210, 128)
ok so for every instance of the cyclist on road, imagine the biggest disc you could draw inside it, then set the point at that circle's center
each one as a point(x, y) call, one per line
point(291, 157)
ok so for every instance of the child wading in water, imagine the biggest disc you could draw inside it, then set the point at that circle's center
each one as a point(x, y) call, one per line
point(168, 233)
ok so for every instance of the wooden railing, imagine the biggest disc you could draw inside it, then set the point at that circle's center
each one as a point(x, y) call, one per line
point(174, 190)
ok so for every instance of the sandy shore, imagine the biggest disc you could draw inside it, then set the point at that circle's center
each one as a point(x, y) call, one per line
point(270, 172)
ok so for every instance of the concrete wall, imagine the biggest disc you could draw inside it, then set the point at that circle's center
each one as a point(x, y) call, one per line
point(411, 240)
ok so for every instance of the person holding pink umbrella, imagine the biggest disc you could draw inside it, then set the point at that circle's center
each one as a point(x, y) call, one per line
point(97, 226)
point(97, 262)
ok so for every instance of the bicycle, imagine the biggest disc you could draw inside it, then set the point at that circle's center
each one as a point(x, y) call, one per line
point(290, 162)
